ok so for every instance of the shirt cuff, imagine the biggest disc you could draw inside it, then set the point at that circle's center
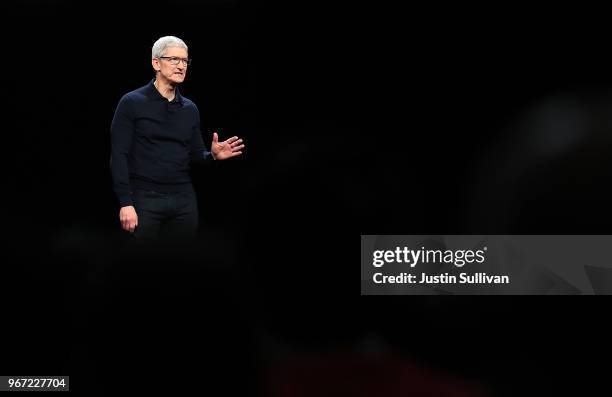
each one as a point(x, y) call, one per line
point(125, 201)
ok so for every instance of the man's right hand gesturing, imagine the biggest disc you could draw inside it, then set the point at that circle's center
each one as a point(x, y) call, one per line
point(128, 218)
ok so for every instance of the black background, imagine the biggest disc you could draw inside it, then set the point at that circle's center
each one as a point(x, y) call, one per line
point(357, 120)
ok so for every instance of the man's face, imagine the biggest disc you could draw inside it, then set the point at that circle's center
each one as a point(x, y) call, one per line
point(174, 73)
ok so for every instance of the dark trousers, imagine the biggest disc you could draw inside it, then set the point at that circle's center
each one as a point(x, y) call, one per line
point(170, 217)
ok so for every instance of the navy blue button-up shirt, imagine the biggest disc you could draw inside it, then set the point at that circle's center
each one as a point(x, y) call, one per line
point(153, 142)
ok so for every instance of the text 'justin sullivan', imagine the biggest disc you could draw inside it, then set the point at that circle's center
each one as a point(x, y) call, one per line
point(458, 258)
point(445, 278)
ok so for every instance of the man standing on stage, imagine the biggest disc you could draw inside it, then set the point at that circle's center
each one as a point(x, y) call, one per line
point(155, 136)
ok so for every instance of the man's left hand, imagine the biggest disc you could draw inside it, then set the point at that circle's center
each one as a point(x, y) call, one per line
point(226, 149)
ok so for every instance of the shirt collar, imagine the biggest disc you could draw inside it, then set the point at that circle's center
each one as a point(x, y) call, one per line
point(153, 93)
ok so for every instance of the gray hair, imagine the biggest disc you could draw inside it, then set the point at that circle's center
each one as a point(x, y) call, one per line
point(163, 43)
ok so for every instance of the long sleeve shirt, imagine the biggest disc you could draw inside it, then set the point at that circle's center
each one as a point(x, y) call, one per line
point(153, 143)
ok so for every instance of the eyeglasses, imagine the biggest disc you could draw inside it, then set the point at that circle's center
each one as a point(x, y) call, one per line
point(175, 60)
